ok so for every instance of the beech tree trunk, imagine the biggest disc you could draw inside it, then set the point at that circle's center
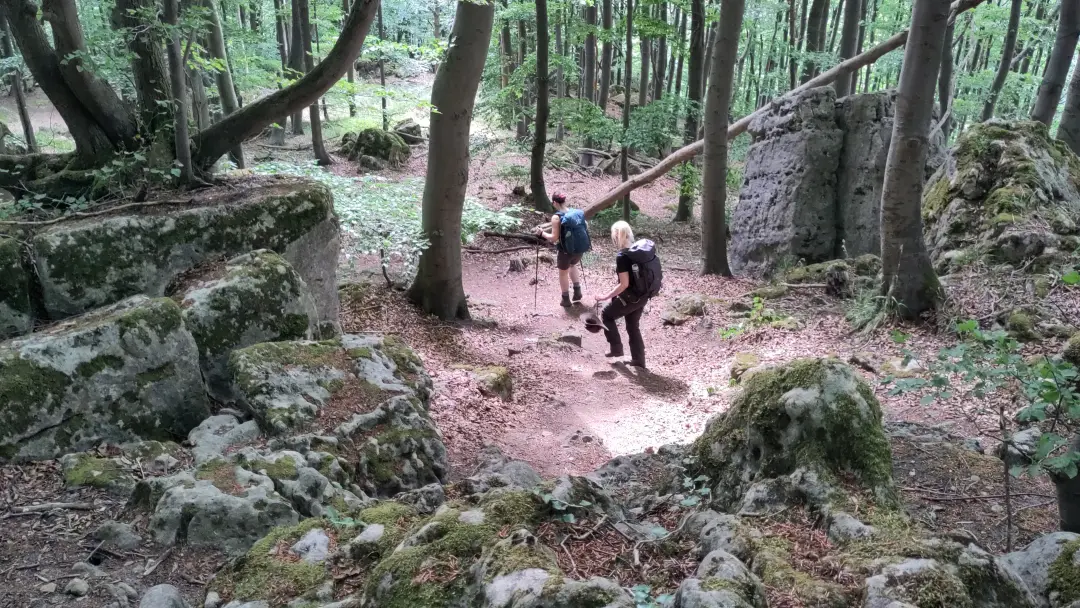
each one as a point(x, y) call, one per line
point(226, 89)
point(296, 64)
point(382, 69)
point(697, 58)
point(945, 80)
point(560, 79)
point(706, 68)
point(200, 103)
point(848, 39)
point(180, 101)
point(661, 55)
point(152, 86)
point(279, 32)
point(717, 105)
point(15, 78)
point(536, 172)
point(909, 284)
point(317, 143)
point(682, 55)
point(605, 56)
point(628, 79)
point(1069, 127)
point(1006, 60)
point(350, 75)
point(590, 53)
point(507, 49)
point(438, 289)
point(1053, 81)
point(815, 34)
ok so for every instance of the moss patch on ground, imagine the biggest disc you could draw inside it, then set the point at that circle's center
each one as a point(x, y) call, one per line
point(270, 571)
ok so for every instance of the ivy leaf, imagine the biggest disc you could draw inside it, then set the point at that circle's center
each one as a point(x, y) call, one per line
point(1071, 278)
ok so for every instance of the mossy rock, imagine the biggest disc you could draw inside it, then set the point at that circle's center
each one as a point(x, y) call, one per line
point(495, 381)
point(1064, 574)
point(1008, 192)
point(85, 264)
point(1022, 326)
point(1072, 350)
point(119, 374)
point(384, 145)
point(258, 298)
point(770, 292)
point(683, 308)
point(87, 470)
point(743, 363)
point(815, 414)
point(16, 315)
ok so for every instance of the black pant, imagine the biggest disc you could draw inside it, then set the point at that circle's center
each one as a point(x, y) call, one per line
point(625, 306)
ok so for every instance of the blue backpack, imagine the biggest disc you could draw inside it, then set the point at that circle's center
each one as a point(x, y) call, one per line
point(573, 232)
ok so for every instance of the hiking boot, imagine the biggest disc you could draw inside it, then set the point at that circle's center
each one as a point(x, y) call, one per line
point(566, 303)
point(614, 354)
point(577, 293)
point(638, 364)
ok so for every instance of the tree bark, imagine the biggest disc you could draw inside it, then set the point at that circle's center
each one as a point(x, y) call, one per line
point(848, 39)
point(909, 284)
point(590, 54)
point(793, 47)
point(179, 91)
point(1069, 127)
point(317, 143)
point(350, 75)
point(682, 55)
point(643, 81)
point(717, 105)
point(226, 89)
point(1006, 60)
point(254, 117)
point(279, 32)
point(710, 42)
point(605, 56)
point(382, 69)
point(296, 65)
point(628, 79)
point(815, 34)
point(200, 104)
point(661, 55)
point(1053, 81)
point(560, 79)
point(697, 58)
point(20, 98)
point(152, 86)
point(945, 80)
point(508, 50)
point(523, 119)
point(438, 289)
point(1068, 495)
point(543, 110)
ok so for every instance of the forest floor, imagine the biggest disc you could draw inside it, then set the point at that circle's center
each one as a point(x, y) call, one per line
point(571, 408)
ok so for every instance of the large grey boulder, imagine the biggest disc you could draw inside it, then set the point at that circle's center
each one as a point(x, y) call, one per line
point(87, 263)
point(16, 316)
point(256, 297)
point(163, 596)
point(215, 435)
point(974, 578)
point(786, 206)
point(867, 123)
point(119, 374)
point(1034, 563)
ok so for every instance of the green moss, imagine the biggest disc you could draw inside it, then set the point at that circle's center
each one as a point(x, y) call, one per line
point(386, 466)
point(1021, 325)
point(14, 281)
point(385, 145)
point(512, 508)
point(155, 319)
point(935, 588)
point(152, 376)
point(1065, 574)
point(361, 353)
point(935, 197)
point(94, 472)
point(1008, 200)
point(769, 292)
point(1072, 350)
point(222, 474)
point(99, 364)
point(506, 557)
point(773, 565)
point(399, 352)
point(282, 468)
point(308, 354)
point(262, 574)
point(743, 362)
point(28, 391)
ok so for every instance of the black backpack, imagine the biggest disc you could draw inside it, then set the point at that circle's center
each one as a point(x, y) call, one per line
point(646, 276)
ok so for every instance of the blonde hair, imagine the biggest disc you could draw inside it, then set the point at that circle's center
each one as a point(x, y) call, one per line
point(622, 235)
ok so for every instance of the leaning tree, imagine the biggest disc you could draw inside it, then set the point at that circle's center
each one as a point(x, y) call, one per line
point(104, 126)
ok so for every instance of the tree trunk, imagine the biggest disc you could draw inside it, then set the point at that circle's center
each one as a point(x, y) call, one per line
point(254, 12)
point(643, 81)
point(1049, 95)
point(706, 67)
point(661, 55)
point(508, 50)
point(605, 56)
point(560, 79)
point(279, 31)
point(590, 53)
point(945, 80)
point(536, 172)
point(296, 64)
point(848, 40)
point(200, 104)
point(909, 284)
point(17, 88)
point(873, 32)
point(382, 68)
point(697, 58)
point(1006, 60)
point(1068, 494)
point(254, 117)
point(815, 34)
point(437, 289)
point(350, 76)
point(226, 89)
point(523, 120)
point(180, 101)
point(682, 55)
point(1069, 128)
point(628, 68)
point(317, 143)
point(436, 27)
point(714, 174)
point(835, 26)
point(793, 46)
point(152, 87)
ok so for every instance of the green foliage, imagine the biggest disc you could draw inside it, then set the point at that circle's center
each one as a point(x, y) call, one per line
point(991, 363)
point(652, 127)
point(759, 316)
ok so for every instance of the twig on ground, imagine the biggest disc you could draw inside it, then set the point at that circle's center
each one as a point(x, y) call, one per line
point(497, 251)
point(75, 216)
point(153, 566)
point(50, 506)
point(593, 530)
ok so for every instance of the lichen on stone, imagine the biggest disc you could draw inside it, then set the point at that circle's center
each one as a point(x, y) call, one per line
point(1065, 573)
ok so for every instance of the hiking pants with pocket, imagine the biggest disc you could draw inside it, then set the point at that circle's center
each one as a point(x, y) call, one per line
point(625, 306)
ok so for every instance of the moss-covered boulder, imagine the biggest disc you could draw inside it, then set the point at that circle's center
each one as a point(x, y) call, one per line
point(369, 392)
point(495, 381)
point(90, 471)
point(16, 316)
point(1008, 194)
point(256, 297)
point(119, 374)
point(1049, 565)
point(813, 415)
point(966, 578)
point(682, 309)
point(1072, 350)
point(87, 263)
point(384, 145)
point(841, 278)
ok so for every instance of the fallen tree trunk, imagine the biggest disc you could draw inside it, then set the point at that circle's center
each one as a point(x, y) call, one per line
point(737, 128)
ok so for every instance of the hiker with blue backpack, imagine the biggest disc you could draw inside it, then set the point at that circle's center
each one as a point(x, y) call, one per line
point(570, 234)
point(638, 268)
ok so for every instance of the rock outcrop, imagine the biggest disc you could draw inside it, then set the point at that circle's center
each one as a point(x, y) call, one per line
point(256, 297)
point(84, 264)
point(16, 316)
point(1008, 194)
point(385, 146)
point(119, 374)
point(813, 179)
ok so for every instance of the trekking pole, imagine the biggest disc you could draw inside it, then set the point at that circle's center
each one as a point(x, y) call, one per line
point(536, 278)
point(581, 264)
